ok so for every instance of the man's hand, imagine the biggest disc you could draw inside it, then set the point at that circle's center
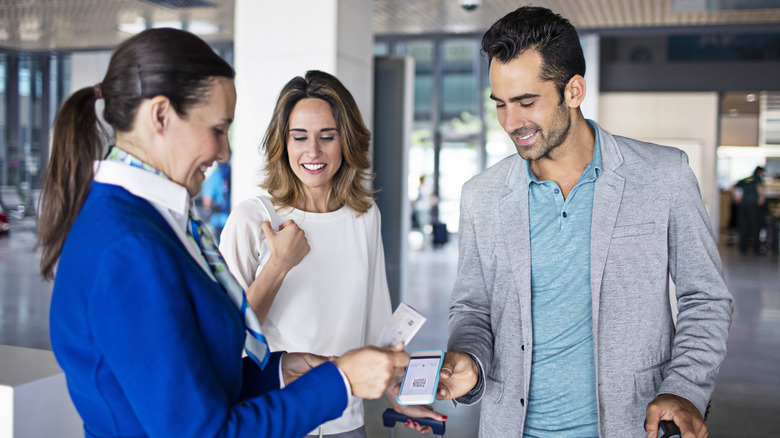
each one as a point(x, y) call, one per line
point(670, 407)
point(458, 376)
point(295, 365)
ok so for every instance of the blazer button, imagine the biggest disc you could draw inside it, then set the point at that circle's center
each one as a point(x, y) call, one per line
point(522, 347)
point(522, 402)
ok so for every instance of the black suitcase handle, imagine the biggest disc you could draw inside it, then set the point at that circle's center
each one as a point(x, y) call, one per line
point(390, 417)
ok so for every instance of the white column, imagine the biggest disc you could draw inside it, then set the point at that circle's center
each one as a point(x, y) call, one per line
point(88, 68)
point(276, 41)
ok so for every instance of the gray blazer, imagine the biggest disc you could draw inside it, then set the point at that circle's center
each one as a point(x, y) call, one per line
point(648, 223)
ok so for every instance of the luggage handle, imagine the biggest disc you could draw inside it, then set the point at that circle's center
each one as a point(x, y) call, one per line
point(390, 417)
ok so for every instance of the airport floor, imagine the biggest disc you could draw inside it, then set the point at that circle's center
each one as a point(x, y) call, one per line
point(746, 402)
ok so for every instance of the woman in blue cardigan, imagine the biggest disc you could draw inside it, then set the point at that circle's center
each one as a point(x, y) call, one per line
point(146, 321)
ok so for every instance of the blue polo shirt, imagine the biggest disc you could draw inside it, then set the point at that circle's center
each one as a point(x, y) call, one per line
point(562, 395)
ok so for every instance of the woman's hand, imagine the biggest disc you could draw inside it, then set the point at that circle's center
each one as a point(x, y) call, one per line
point(414, 411)
point(288, 246)
point(370, 369)
point(295, 365)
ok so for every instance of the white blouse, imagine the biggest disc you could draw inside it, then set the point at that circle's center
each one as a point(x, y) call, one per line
point(334, 300)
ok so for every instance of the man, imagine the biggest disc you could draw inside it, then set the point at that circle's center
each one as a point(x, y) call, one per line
point(750, 200)
point(560, 319)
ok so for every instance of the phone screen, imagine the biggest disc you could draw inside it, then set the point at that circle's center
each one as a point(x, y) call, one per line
point(420, 380)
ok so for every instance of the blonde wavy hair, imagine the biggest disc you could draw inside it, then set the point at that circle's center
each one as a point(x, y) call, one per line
point(351, 183)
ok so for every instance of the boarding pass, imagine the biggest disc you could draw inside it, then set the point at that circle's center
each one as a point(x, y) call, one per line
point(402, 328)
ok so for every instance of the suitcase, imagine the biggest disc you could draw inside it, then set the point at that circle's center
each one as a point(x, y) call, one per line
point(440, 233)
point(390, 417)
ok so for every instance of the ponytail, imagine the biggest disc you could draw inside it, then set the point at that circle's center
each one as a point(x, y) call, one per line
point(77, 142)
point(156, 62)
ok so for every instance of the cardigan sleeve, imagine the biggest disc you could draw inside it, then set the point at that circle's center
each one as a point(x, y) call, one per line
point(704, 301)
point(470, 307)
point(157, 347)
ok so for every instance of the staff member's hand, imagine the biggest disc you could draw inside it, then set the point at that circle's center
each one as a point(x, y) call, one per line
point(458, 376)
point(669, 407)
point(370, 369)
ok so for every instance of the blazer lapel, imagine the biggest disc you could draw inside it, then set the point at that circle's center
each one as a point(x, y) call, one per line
point(515, 232)
point(607, 196)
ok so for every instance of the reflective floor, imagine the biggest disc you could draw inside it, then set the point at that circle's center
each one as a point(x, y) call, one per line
point(746, 402)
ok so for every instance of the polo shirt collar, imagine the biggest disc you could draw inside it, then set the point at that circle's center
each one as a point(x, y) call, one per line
point(591, 172)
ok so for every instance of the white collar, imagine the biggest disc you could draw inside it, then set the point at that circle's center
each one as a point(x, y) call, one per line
point(170, 199)
point(163, 193)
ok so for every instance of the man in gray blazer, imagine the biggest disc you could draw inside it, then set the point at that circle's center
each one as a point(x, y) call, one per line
point(560, 320)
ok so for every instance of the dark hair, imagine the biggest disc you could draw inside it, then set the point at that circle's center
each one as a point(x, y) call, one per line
point(758, 170)
point(542, 30)
point(157, 62)
point(350, 183)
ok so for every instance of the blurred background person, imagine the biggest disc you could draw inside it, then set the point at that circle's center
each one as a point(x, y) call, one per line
point(215, 198)
point(751, 202)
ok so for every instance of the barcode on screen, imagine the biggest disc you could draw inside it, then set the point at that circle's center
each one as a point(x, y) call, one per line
point(419, 382)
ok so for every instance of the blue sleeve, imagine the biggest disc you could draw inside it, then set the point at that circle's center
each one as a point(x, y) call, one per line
point(178, 374)
point(254, 381)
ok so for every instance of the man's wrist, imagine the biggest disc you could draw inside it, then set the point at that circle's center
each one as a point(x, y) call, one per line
point(477, 367)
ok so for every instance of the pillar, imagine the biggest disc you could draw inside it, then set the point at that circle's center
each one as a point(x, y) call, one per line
point(275, 41)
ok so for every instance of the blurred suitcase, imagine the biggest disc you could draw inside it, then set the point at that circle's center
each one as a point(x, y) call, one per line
point(440, 234)
point(390, 417)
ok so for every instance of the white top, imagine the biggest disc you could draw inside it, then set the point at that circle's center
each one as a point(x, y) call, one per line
point(334, 300)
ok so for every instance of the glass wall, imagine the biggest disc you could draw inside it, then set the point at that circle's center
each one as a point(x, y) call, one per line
point(448, 144)
point(32, 87)
point(422, 156)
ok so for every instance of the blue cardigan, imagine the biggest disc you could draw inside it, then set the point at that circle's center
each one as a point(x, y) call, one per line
point(151, 346)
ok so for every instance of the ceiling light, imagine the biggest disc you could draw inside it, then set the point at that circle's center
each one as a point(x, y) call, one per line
point(750, 97)
point(202, 27)
point(733, 112)
point(133, 28)
point(173, 24)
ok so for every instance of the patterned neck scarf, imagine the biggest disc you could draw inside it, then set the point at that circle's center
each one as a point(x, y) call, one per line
point(198, 234)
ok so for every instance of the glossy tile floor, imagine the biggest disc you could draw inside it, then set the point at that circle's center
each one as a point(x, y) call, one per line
point(746, 402)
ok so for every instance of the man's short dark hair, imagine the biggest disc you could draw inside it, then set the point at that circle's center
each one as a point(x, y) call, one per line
point(542, 30)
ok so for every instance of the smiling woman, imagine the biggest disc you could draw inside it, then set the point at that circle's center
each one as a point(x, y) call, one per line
point(184, 146)
point(314, 152)
point(318, 283)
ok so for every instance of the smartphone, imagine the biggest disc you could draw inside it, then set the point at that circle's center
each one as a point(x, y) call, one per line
point(421, 378)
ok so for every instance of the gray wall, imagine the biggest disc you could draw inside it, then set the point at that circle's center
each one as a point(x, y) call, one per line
point(393, 100)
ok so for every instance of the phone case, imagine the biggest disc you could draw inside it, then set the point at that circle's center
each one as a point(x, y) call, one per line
point(435, 382)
